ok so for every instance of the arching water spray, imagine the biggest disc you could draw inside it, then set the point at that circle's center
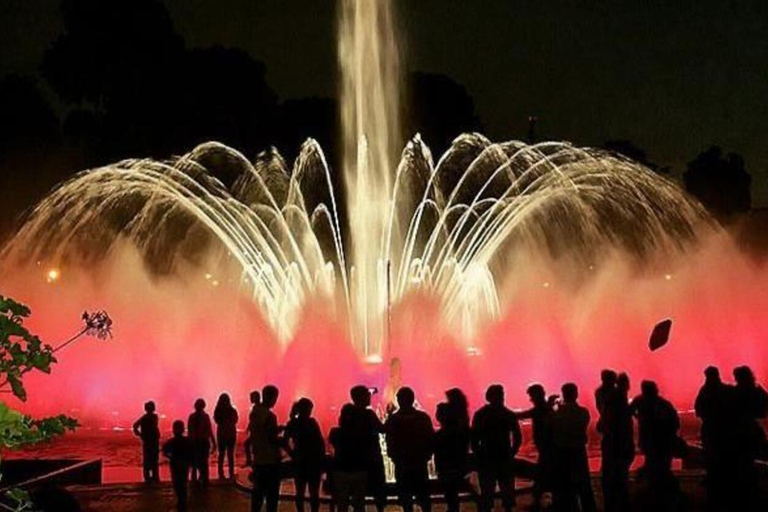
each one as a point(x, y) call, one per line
point(228, 287)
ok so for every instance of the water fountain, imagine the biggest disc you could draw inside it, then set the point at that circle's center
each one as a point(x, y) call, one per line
point(456, 232)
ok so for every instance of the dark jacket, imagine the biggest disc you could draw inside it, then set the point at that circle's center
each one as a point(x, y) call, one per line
point(492, 427)
point(367, 428)
point(178, 450)
point(199, 426)
point(147, 428)
point(410, 438)
point(569, 427)
point(658, 423)
point(226, 422)
point(348, 450)
point(451, 449)
point(541, 422)
point(307, 447)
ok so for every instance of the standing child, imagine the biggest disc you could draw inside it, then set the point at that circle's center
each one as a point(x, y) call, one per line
point(178, 450)
point(147, 429)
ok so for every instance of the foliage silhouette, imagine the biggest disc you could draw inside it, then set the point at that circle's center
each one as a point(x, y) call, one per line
point(20, 353)
point(721, 182)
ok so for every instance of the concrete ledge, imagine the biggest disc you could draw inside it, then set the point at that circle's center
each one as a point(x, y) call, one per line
point(31, 473)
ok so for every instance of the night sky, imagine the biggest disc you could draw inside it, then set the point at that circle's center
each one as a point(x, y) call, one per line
point(671, 76)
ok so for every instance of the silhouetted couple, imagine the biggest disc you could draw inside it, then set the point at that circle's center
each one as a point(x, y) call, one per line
point(732, 437)
point(264, 435)
point(358, 468)
point(560, 436)
point(358, 465)
point(190, 453)
point(618, 443)
point(572, 484)
point(305, 444)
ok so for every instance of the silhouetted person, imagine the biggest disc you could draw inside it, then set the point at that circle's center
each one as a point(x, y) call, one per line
point(541, 419)
point(180, 454)
point(658, 423)
point(200, 431)
point(265, 443)
point(225, 416)
point(617, 443)
point(750, 403)
point(715, 408)
point(307, 450)
point(369, 428)
point(496, 439)
point(410, 441)
point(350, 462)
point(573, 486)
point(451, 452)
point(255, 398)
point(147, 429)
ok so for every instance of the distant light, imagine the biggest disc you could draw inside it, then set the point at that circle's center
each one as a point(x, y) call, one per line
point(374, 359)
point(545, 284)
point(473, 351)
point(215, 282)
point(668, 277)
point(53, 275)
point(208, 277)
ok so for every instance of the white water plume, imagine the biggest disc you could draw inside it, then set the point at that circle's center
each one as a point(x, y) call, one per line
point(449, 230)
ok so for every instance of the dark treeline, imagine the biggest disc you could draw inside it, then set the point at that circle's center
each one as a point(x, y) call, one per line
point(120, 82)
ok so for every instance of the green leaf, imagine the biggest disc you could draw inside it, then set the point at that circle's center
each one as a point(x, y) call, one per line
point(17, 387)
point(18, 495)
point(14, 308)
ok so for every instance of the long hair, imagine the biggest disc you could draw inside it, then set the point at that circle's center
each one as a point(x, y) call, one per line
point(223, 407)
point(459, 406)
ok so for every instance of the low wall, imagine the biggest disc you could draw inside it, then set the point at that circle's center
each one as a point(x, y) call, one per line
point(31, 473)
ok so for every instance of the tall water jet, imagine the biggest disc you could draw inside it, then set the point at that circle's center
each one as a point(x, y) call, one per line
point(370, 113)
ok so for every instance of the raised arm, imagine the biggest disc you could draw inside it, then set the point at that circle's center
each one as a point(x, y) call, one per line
point(526, 414)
